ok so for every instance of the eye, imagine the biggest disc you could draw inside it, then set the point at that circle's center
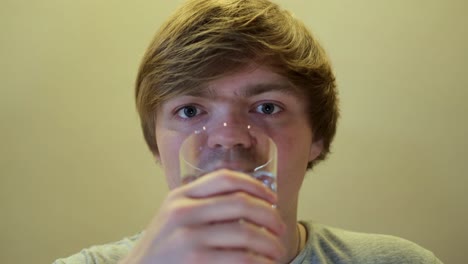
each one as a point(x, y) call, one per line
point(188, 111)
point(268, 108)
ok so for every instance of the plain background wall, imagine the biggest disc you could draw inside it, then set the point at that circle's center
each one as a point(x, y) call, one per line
point(75, 170)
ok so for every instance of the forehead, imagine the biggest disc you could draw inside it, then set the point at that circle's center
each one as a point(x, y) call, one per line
point(249, 81)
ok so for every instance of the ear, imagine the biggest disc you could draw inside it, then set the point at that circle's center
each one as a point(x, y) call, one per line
point(315, 149)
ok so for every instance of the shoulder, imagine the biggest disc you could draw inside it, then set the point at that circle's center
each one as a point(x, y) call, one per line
point(102, 254)
point(367, 248)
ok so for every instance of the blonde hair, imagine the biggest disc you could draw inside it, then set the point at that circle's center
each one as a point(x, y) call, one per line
point(206, 39)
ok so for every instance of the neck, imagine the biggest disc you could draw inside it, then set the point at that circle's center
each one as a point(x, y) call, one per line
point(293, 239)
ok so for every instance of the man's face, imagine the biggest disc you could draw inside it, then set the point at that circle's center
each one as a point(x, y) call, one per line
point(254, 96)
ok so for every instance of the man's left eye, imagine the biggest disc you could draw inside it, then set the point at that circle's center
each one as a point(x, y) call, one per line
point(268, 108)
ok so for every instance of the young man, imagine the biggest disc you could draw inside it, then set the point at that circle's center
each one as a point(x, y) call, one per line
point(242, 62)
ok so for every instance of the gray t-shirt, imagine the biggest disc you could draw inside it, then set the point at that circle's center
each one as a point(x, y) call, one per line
point(333, 245)
point(324, 245)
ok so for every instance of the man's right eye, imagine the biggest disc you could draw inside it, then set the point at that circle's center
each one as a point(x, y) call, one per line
point(188, 111)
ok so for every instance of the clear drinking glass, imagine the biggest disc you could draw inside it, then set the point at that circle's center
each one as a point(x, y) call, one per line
point(240, 148)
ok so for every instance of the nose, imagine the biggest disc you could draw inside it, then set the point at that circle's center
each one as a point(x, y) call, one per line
point(230, 136)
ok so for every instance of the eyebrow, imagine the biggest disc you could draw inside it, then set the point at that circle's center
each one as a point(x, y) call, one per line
point(247, 91)
point(257, 89)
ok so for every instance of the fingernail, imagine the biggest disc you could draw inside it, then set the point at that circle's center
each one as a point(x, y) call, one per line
point(274, 197)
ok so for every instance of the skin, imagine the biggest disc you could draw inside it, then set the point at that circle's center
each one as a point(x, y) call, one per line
point(227, 216)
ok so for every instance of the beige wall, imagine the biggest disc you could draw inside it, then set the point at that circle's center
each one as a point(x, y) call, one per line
point(75, 170)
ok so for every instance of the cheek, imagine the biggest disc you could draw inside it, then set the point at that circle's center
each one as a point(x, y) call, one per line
point(168, 146)
point(293, 155)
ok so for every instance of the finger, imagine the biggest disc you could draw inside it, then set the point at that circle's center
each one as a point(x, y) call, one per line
point(238, 256)
point(241, 236)
point(231, 207)
point(215, 256)
point(227, 181)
